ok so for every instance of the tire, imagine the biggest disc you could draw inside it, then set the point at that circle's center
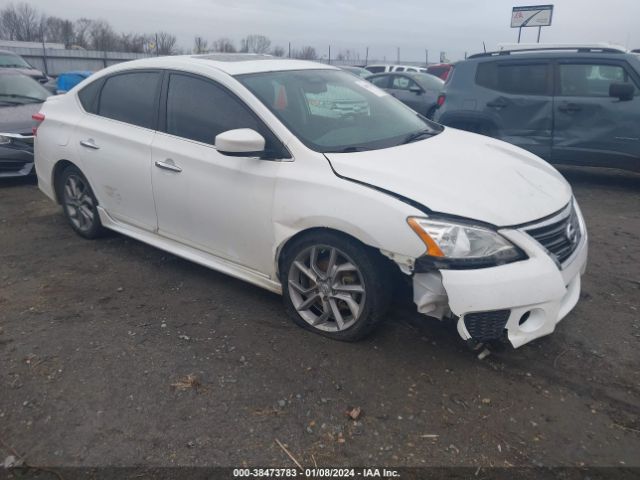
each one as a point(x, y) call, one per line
point(79, 203)
point(339, 302)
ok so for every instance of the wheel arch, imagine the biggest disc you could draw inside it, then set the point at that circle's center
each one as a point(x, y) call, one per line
point(310, 231)
point(56, 172)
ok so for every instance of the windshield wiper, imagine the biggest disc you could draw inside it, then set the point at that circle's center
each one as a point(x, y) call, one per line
point(417, 135)
point(347, 150)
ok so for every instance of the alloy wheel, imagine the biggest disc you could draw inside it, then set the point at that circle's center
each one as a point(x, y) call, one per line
point(78, 203)
point(326, 288)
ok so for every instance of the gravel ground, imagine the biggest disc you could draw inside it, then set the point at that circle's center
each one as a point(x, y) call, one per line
point(115, 353)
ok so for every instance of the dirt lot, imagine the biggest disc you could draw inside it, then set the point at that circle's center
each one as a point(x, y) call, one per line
point(97, 337)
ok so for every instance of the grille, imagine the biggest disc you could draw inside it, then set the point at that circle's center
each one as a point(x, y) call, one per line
point(486, 325)
point(560, 237)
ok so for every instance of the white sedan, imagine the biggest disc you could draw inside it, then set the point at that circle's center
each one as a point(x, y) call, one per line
point(225, 161)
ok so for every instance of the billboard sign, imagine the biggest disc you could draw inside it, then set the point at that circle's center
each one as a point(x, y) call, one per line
point(531, 16)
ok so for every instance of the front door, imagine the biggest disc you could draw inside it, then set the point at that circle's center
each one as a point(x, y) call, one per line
point(210, 201)
point(592, 128)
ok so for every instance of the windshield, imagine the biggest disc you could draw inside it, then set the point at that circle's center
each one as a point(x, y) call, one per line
point(334, 111)
point(8, 60)
point(19, 89)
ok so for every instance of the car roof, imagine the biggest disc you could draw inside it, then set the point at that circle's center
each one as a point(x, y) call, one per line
point(9, 52)
point(232, 64)
point(547, 55)
point(550, 51)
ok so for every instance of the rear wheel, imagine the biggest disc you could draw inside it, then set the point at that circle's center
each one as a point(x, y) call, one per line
point(79, 203)
point(334, 286)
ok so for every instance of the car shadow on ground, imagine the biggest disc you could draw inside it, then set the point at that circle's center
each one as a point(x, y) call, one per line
point(18, 181)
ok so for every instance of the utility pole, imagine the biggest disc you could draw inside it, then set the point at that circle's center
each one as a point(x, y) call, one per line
point(329, 54)
point(44, 54)
point(366, 58)
point(289, 49)
point(157, 47)
point(426, 57)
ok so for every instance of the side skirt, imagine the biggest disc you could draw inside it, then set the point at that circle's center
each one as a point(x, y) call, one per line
point(192, 254)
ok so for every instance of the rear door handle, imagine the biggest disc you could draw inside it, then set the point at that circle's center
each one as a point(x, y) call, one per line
point(497, 104)
point(90, 143)
point(168, 164)
point(569, 107)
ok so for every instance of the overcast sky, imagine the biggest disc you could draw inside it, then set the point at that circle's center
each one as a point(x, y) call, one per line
point(453, 26)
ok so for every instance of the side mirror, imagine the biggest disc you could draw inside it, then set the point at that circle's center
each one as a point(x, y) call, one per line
point(622, 91)
point(241, 142)
point(416, 90)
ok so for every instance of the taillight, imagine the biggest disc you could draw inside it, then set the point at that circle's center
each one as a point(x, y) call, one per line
point(38, 117)
point(441, 99)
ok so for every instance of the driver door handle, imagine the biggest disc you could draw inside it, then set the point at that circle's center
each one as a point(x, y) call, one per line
point(89, 143)
point(168, 164)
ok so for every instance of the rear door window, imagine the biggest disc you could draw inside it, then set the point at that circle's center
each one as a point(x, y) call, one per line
point(375, 69)
point(131, 98)
point(515, 78)
point(590, 79)
point(88, 96)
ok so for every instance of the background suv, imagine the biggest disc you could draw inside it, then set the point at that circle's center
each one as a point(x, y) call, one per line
point(569, 105)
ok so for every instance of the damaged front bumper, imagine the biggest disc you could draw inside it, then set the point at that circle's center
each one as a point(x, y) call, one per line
point(521, 301)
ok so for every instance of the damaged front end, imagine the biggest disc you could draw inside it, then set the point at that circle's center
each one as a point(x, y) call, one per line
point(517, 300)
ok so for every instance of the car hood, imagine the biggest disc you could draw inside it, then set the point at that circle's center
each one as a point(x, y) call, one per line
point(463, 174)
point(17, 119)
point(29, 72)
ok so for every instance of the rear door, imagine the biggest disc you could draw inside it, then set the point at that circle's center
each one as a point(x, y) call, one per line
point(113, 140)
point(592, 128)
point(515, 96)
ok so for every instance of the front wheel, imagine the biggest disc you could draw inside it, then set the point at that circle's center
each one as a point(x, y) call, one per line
point(334, 286)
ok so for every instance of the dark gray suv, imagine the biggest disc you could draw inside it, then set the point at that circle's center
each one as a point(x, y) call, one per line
point(574, 105)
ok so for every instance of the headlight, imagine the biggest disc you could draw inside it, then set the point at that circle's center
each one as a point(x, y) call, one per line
point(4, 140)
point(458, 245)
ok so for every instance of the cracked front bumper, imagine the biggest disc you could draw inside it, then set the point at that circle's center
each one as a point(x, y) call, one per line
point(535, 293)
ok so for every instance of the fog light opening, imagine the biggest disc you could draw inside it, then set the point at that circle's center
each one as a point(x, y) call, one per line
point(524, 318)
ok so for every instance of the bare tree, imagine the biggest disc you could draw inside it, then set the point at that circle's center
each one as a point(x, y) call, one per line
point(21, 22)
point(224, 45)
point(102, 37)
point(305, 53)
point(278, 51)
point(60, 30)
point(200, 45)
point(255, 44)
point(132, 42)
point(81, 28)
point(166, 43)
